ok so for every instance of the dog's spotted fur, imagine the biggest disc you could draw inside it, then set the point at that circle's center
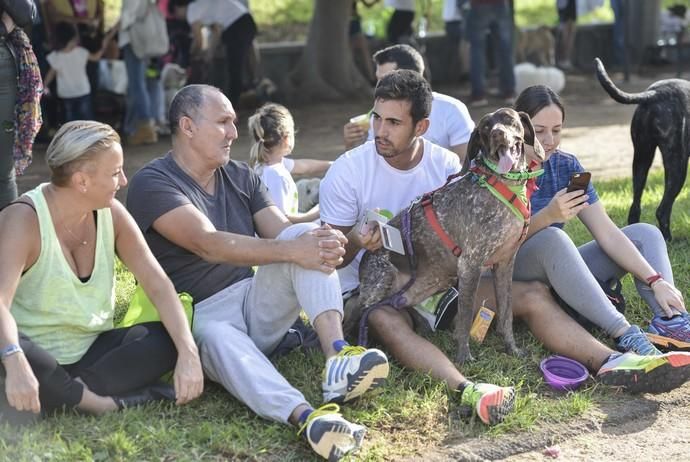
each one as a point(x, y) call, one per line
point(486, 230)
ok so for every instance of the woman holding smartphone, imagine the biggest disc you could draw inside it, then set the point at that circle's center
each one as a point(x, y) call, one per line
point(549, 255)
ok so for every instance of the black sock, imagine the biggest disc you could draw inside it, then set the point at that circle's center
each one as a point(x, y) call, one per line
point(462, 386)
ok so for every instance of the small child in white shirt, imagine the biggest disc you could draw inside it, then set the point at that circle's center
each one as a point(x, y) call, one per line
point(273, 131)
point(68, 65)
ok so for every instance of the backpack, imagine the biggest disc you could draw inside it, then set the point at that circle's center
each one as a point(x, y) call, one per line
point(299, 335)
point(149, 35)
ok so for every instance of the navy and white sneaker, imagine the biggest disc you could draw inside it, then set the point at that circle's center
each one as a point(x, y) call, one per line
point(670, 333)
point(635, 340)
point(330, 435)
point(352, 372)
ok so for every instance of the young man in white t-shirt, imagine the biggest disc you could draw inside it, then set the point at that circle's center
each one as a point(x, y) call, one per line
point(396, 168)
point(382, 174)
point(450, 122)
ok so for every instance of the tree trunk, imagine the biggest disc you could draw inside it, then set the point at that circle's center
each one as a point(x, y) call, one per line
point(326, 70)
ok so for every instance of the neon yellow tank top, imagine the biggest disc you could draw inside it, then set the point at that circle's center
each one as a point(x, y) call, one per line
point(52, 306)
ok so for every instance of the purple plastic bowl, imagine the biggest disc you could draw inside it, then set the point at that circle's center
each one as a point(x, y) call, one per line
point(562, 373)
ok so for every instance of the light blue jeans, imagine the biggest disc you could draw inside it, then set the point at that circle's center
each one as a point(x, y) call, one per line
point(480, 20)
point(155, 90)
point(619, 14)
point(138, 100)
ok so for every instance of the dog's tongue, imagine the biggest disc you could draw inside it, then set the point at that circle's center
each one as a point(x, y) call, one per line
point(505, 161)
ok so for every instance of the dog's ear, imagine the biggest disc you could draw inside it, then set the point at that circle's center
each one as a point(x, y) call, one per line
point(473, 148)
point(530, 135)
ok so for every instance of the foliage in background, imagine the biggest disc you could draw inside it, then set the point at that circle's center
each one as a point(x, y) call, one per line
point(112, 12)
point(285, 20)
point(291, 17)
point(411, 414)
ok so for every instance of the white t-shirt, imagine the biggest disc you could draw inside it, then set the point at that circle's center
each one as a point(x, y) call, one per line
point(450, 122)
point(405, 5)
point(208, 12)
point(70, 69)
point(362, 180)
point(451, 12)
point(280, 184)
point(131, 10)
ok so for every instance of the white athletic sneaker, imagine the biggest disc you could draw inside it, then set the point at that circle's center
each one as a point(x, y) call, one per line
point(331, 436)
point(352, 372)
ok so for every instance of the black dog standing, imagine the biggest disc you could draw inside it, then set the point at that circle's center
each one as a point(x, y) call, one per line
point(661, 120)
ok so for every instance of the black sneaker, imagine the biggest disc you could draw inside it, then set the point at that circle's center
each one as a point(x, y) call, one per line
point(156, 392)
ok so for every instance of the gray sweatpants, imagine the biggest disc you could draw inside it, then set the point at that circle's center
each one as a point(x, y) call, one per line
point(239, 326)
point(550, 256)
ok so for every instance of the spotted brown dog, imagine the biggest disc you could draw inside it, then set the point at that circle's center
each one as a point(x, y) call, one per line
point(455, 231)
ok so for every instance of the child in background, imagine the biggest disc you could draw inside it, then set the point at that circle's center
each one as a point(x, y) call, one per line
point(68, 65)
point(273, 131)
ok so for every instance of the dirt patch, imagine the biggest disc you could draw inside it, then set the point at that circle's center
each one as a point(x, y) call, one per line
point(624, 427)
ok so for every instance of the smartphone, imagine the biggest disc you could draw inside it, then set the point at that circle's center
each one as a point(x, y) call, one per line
point(579, 181)
point(390, 236)
point(369, 219)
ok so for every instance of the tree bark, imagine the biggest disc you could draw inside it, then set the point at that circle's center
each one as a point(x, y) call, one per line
point(326, 69)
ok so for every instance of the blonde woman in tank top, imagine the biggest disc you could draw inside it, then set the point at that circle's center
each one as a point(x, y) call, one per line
point(58, 345)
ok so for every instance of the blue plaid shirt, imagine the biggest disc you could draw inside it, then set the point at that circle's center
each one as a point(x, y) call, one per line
point(557, 171)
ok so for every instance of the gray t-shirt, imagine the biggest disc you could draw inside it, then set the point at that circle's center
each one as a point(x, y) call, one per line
point(162, 186)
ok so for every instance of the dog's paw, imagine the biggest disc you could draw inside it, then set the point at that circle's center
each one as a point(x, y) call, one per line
point(515, 351)
point(352, 312)
point(464, 356)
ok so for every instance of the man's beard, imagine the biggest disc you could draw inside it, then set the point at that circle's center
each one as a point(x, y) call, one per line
point(394, 152)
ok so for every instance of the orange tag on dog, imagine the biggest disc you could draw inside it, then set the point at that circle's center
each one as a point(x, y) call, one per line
point(481, 323)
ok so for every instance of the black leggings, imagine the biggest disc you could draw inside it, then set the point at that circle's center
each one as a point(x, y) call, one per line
point(119, 361)
point(400, 25)
point(238, 39)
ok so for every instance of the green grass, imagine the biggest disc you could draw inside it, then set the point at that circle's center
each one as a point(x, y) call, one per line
point(410, 414)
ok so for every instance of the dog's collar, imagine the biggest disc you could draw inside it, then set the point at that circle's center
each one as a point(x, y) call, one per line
point(516, 198)
point(514, 176)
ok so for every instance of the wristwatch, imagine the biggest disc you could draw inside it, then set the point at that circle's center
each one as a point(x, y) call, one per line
point(10, 350)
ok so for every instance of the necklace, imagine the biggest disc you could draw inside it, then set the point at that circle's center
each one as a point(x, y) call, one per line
point(83, 242)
